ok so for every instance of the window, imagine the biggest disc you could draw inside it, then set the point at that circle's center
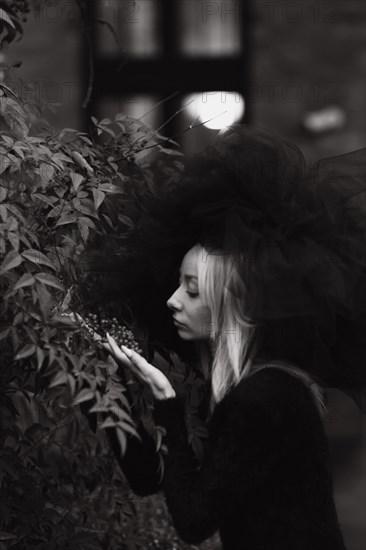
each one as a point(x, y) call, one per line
point(174, 48)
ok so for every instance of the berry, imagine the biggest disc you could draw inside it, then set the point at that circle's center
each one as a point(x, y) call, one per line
point(96, 329)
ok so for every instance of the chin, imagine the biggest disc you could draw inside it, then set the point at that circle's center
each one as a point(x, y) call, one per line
point(190, 337)
point(187, 337)
point(184, 334)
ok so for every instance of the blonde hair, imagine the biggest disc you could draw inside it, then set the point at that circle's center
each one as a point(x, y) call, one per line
point(233, 337)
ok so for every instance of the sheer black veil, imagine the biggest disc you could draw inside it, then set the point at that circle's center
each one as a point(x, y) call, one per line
point(300, 233)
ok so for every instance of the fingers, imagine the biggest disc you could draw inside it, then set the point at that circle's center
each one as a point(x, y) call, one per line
point(113, 348)
point(158, 382)
point(139, 362)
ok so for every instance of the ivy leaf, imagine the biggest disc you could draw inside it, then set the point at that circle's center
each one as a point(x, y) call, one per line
point(19, 152)
point(26, 351)
point(76, 179)
point(4, 16)
point(15, 161)
point(3, 194)
point(18, 319)
point(12, 260)
point(201, 432)
point(125, 220)
point(44, 299)
point(4, 333)
point(120, 116)
point(4, 163)
point(108, 220)
point(83, 395)
point(8, 139)
point(87, 207)
point(128, 428)
point(51, 355)
point(49, 280)
point(2, 246)
point(26, 280)
point(108, 423)
point(14, 240)
point(6, 536)
point(122, 439)
point(160, 431)
point(59, 157)
point(45, 150)
point(107, 130)
point(82, 162)
point(67, 218)
point(12, 224)
point(37, 257)
point(66, 130)
point(109, 188)
point(40, 357)
point(98, 198)
point(197, 447)
point(46, 171)
point(60, 191)
point(84, 138)
point(58, 380)
point(84, 230)
point(72, 383)
point(57, 210)
point(14, 210)
point(3, 212)
point(24, 240)
point(48, 200)
point(88, 222)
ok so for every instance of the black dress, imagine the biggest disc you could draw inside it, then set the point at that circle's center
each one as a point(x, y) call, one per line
point(265, 482)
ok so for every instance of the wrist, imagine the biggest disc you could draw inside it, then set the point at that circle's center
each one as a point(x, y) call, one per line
point(167, 410)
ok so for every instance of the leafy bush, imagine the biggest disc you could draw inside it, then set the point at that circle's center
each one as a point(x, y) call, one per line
point(61, 194)
point(58, 195)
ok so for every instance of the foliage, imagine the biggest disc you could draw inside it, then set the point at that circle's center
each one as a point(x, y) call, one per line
point(11, 14)
point(59, 484)
point(58, 194)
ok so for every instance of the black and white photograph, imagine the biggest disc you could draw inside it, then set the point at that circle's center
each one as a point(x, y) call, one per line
point(182, 275)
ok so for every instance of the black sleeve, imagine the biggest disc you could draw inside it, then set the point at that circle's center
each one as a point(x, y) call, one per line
point(140, 463)
point(243, 433)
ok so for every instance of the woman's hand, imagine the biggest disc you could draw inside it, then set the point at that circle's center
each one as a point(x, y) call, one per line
point(158, 382)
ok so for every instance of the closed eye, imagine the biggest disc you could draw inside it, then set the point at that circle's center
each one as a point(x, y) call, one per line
point(190, 293)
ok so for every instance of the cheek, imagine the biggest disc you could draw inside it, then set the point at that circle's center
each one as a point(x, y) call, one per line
point(204, 314)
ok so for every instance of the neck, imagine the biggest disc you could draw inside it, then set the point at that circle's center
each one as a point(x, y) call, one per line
point(205, 354)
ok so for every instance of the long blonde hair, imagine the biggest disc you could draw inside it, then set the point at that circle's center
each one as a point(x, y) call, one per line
point(233, 346)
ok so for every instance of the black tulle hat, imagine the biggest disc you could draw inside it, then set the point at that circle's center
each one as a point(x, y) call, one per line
point(301, 235)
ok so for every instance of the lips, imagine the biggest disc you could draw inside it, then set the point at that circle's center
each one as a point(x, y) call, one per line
point(176, 322)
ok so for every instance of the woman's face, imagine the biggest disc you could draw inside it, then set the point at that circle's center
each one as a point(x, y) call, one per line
point(191, 317)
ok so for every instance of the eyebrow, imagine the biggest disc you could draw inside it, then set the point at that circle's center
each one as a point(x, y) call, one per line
point(188, 277)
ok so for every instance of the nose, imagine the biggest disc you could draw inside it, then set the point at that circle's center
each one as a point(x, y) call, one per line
point(173, 303)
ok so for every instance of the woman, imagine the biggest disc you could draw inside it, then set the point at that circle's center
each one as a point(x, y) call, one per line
point(265, 482)
point(260, 297)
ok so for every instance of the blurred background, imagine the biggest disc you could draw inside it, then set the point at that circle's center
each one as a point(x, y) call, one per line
point(294, 68)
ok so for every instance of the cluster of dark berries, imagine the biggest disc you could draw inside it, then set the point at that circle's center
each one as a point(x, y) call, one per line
point(99, 327)
point(21, 7)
